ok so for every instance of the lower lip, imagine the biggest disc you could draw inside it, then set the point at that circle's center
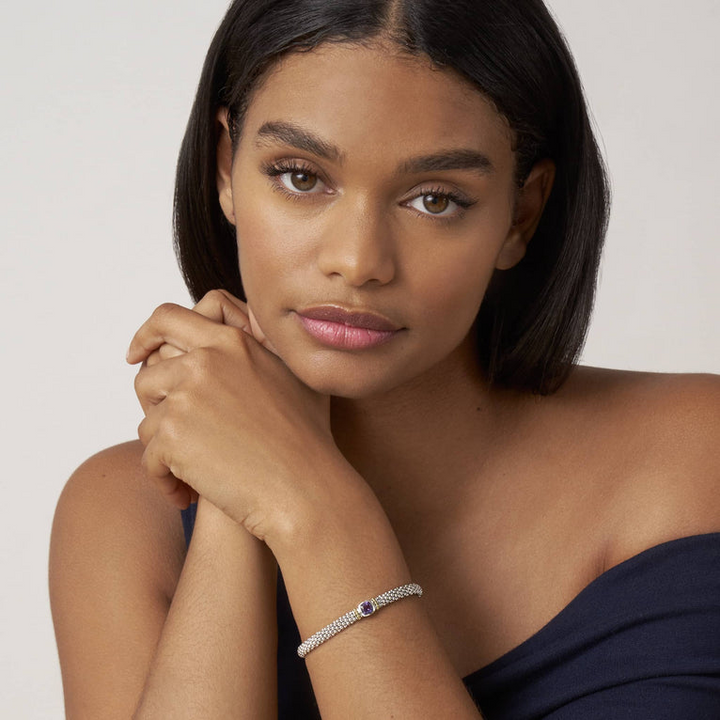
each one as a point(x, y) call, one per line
point(345, 336)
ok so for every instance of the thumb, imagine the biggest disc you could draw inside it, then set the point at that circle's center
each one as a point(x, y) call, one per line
point(223, 307)
point(257, 333)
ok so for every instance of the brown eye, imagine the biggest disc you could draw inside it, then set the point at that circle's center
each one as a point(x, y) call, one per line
point(435, 204)
point(303, 181)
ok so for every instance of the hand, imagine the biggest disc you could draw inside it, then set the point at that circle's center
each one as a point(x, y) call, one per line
point(222, 307)
point(224, 414)
point(225, 308)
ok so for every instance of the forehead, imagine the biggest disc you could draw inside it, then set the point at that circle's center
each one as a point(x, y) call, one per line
point(376, 99)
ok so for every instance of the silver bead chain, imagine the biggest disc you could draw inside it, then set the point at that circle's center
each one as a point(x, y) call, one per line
point(363, 610)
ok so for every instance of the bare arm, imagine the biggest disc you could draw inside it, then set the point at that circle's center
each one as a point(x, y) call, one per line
point(217, 653)
point(390, 665)
point(127, 628)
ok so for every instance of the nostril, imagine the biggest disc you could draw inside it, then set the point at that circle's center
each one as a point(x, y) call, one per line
point(360, 253)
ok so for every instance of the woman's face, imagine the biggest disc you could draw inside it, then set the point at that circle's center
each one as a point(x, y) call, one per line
point(371, 182)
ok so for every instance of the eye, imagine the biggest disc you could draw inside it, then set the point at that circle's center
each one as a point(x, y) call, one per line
point(439, 203)
point(300, 180)
point(293, 176)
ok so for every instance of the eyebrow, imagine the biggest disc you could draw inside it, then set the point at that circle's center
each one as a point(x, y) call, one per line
point(294, 135)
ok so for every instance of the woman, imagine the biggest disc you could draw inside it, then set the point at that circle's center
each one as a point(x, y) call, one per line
point(404, 206)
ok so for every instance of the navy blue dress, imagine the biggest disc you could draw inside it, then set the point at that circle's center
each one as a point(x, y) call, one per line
point(641, 642)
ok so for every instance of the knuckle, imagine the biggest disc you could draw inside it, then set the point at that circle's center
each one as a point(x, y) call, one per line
point(210, 304)
point(153, 358)
point(170, 430)
point(233, 337)
point(142, 432)
point(165, 310)
point(200, 361)
point(164, 431)
point(166, 351)
point(214, 295)
point(185, 406)
point(138, 382)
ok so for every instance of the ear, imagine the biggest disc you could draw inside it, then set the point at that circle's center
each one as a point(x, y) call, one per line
point(529, 206)
point(224, 166)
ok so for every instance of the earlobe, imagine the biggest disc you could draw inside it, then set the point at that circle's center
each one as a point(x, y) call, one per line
point(224, 166)
point(530, 203)
point(512, 252)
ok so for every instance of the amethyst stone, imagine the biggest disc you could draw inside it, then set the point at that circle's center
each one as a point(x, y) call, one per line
point(366, 608)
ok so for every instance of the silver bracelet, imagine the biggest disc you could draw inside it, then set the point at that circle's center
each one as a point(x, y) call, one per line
point(365, 609)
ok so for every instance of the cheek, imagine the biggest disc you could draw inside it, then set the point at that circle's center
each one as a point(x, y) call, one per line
point(269, 246)
point(458, 282)
point(456, 297)
point(453, 281)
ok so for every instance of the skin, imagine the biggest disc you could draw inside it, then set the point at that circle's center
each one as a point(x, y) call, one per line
point(502, 506)
point(360, 237)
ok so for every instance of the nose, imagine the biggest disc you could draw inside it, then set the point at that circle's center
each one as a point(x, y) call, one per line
point(357, 245)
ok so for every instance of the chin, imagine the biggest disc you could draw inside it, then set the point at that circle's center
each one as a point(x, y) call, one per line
point(350, 385)
point(350, 388)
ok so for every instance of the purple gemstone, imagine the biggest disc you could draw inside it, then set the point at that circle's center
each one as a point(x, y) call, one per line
point(366, 608)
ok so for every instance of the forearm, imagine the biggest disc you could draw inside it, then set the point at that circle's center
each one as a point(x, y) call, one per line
point(217, 653)
point(389, 665)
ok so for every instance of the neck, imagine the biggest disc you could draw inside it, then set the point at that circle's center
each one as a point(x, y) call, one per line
point(427, 438)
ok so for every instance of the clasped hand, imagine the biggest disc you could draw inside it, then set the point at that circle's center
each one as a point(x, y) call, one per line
point(224, 416)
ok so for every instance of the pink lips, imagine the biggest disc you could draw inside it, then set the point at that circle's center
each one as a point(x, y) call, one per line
point(340, 328)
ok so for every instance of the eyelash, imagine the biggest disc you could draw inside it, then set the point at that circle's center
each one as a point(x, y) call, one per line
point(282, 167)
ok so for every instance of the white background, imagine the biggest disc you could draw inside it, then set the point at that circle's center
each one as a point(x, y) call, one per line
point(95, 96)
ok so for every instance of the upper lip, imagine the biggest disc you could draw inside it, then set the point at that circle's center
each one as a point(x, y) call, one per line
point(356, 318)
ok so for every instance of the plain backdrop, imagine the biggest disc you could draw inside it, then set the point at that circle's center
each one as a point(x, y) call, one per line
point(95, 97)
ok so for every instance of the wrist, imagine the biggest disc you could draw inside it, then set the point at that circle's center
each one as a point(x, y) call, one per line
point(338, 504)
point(342, 554)
point(219, 535)
point(210, 515)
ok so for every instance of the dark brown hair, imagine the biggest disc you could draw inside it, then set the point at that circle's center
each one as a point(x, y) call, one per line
point(533, 320)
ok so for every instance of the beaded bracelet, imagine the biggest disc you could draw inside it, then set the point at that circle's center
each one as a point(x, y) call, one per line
point(363, 610)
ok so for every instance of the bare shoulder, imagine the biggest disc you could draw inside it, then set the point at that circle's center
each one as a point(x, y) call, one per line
point(655, 437)
point(677, 415)
point(108, 501)
point(116, 553)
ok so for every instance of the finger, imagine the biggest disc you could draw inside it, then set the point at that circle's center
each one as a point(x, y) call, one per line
point(153, 358)
point(145, 431)
point(174, 490)
point(149, 424)
point(222, 307)
point(174, 325)
point(152, 384)
point(182, 495)
point(164, 352)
